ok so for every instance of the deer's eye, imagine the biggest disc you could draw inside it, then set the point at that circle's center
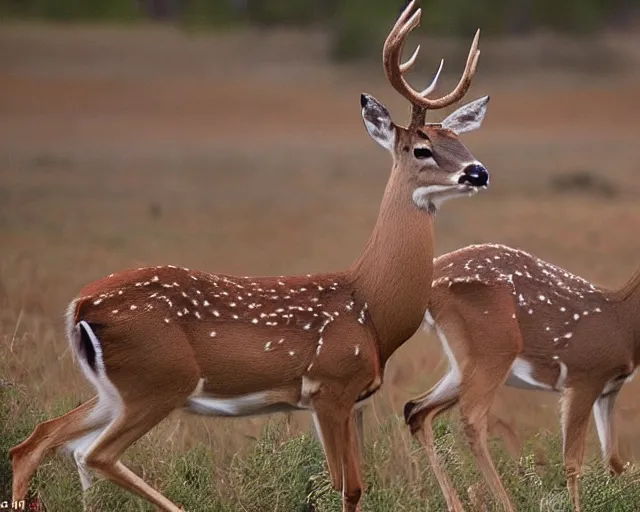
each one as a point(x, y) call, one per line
point(422, 153)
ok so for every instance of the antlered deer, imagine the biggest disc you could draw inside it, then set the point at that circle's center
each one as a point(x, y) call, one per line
point(511, 318)
point(157, 339)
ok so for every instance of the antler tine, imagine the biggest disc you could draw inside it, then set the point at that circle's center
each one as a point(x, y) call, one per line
point(412, 60)
point(465, 80)
point(401, 37)
point(434, 82)
point(391, 38)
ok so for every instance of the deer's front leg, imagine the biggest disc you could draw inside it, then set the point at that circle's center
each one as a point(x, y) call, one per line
point(358, 415)
point(336, 428)
point(352, 486)
point(27, 456)
point(326, 429)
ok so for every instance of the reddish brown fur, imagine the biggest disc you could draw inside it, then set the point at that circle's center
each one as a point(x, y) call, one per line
point(496, 304)
point(270, 316)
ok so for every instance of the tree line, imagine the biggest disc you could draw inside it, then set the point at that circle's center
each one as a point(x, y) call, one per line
point(352, 23)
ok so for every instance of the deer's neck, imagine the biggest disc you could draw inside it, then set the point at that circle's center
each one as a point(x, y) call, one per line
point(394, 273)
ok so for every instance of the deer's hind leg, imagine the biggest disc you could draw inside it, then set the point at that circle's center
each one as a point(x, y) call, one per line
point(135, 420)
point(83, 421)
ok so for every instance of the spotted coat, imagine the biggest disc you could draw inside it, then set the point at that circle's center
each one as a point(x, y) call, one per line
point(276, 316)
point(565, 322)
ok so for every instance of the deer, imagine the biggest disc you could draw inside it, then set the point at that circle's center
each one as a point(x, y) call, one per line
point(157, 339)
point(506, 317)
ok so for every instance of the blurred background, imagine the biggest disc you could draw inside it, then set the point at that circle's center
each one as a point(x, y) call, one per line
point(227, 136)
point(351, 23)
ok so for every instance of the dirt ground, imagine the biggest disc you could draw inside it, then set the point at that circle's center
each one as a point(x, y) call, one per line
point(245, 153)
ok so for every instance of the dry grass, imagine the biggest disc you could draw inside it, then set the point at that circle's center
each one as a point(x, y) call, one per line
point(266, 169)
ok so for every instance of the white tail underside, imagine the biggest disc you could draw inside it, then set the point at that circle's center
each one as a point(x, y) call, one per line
point(109, 405)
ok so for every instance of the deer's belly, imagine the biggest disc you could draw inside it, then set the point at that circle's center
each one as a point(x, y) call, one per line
point(245, 405)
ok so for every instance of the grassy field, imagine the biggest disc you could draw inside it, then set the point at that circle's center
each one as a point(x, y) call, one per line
point(245, 153)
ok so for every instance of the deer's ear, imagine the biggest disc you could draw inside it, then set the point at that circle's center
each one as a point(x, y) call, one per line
point(468, 117)
point(378, 122)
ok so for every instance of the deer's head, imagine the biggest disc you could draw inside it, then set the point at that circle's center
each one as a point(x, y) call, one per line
point(430, 156)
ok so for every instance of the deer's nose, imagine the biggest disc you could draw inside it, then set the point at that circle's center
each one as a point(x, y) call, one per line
point(475, 175)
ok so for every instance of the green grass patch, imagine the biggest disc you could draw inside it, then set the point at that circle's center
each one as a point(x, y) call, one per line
point(288, 474)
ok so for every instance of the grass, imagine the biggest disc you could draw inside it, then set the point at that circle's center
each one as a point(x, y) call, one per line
point(281, 472)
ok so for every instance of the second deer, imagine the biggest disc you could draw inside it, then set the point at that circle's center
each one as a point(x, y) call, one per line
point(504, 316)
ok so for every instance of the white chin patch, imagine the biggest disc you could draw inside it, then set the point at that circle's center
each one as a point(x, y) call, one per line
point(431, 198)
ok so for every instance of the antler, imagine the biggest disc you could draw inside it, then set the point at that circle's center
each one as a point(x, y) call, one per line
point(394, 69)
